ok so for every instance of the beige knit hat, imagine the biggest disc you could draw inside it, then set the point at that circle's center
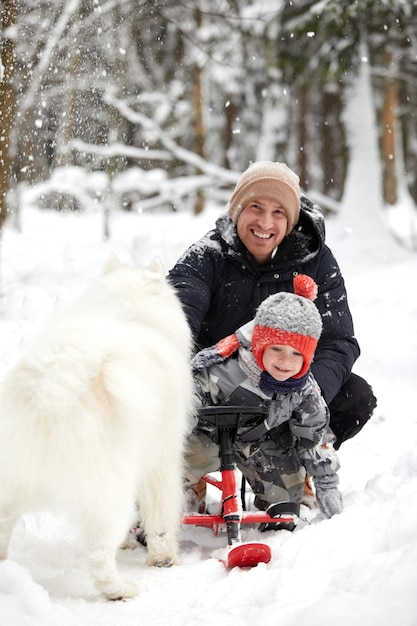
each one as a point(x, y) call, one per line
point(266, 179)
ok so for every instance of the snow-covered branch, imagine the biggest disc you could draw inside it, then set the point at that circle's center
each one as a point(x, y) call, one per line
point(118, 150)
point(182, 154)
point(70, 8)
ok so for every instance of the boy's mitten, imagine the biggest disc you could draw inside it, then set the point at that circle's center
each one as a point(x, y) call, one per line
point(216, 354)
point(328, 495)
point(213, 355)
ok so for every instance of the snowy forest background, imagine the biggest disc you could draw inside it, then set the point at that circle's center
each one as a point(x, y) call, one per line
point(124, 126)
point(161, 103)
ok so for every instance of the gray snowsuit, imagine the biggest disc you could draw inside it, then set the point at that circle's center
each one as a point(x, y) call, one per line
point(273, 453)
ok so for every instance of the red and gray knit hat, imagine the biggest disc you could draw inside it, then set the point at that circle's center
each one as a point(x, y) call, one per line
point(289, 319)
point(266, 179)
point(282, 319)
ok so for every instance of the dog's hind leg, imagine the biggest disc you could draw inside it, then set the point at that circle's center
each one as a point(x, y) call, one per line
point(104, 529)
point(160, 501)
point(102, 562)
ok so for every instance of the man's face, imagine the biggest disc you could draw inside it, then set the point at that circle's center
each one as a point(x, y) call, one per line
point(261, 227)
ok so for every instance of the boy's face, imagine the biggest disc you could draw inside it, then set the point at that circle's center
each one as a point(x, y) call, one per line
point(261, 227)
point(282, 362)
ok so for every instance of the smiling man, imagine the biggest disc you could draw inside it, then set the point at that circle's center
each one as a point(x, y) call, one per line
point(269, 233)
point(265, 206)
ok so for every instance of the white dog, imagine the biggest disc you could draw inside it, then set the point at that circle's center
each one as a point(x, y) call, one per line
point(94, 416)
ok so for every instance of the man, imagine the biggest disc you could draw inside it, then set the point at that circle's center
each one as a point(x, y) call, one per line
point(270, 234)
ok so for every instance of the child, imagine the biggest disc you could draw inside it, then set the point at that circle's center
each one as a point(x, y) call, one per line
point(267, 363)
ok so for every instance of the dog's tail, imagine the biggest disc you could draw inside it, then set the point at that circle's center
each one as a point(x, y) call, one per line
point(53, 380)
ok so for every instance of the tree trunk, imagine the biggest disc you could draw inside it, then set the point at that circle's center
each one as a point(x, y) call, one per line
point(7, 102)
point(303, 136)
point(333, 144)
point(115, 129)
point(389, 108)
point(68, 118)
point(199, 134)
point(230, 115)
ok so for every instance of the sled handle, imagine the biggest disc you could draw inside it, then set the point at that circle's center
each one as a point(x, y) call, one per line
point(229, 416)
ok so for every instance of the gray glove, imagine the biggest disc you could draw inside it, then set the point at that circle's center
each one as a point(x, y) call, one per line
point(328, 495)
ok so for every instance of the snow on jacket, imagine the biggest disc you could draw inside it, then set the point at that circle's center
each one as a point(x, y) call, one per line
point(220, 286)
point(298, 419)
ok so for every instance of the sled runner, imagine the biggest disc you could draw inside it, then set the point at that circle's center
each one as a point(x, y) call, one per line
point(226, 421)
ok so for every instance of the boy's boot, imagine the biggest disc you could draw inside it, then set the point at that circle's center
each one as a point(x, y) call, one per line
point(281, 509)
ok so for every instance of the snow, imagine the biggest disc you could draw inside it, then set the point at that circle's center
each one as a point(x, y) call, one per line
point(360, 566)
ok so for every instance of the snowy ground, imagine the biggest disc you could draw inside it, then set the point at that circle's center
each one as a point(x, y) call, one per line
point(359, 567)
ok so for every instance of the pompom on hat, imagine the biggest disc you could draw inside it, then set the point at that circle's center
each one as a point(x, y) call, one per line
point(282, 319)
point(289, 319)
point(266, 179)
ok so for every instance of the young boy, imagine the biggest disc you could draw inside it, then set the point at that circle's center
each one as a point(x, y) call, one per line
point(267, 363)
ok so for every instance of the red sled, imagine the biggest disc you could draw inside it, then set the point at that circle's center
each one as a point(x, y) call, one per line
point(226, 420)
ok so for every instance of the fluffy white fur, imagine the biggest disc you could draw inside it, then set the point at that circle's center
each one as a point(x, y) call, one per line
point(93, 419)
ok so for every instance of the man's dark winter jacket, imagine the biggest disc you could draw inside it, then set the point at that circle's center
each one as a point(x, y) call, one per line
point(220, 286)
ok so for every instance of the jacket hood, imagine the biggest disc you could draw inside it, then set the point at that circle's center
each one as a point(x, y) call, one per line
point(302, 244)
